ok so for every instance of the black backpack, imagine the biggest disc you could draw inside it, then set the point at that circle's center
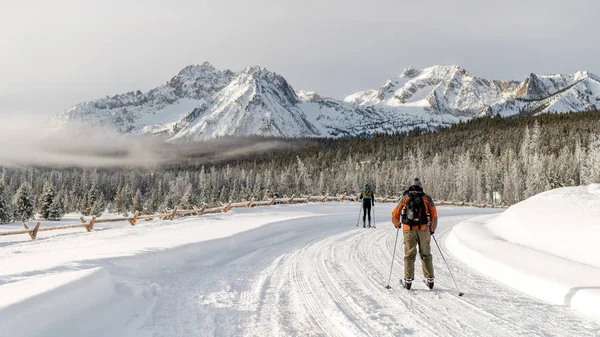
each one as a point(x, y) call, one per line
point(415, 214)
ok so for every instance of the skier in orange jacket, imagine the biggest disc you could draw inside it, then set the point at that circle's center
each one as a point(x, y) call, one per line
point(417, 215)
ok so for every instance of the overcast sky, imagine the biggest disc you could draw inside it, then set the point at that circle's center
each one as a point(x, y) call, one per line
point(54, 54)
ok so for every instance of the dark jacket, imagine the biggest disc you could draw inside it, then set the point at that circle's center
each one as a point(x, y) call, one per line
point(364, 196)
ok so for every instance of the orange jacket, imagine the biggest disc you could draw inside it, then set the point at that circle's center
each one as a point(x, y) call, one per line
point(429, 209)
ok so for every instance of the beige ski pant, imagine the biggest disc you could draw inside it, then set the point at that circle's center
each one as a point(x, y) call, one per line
point(422, 240)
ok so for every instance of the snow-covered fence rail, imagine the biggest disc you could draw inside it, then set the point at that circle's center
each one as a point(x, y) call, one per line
point(468, 204)
point(224, 208)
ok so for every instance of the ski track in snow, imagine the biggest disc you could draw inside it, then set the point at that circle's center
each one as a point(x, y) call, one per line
point(321, 276)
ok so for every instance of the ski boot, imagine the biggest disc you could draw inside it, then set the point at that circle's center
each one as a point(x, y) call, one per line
point(407, 283)
point(429, 282)
point(364, 225)
point(369, 223)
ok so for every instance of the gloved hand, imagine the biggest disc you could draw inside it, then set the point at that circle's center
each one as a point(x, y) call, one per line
point(431, 233)
point(398, 225)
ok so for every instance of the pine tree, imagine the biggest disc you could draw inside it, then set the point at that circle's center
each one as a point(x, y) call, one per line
point(186, 201)
point(224, 196)
point(46, 201)
point(6, 214)
point(56, 210)
point(92, 198)
point(98, 206)
point(136, 205)
point(122, 200)
point(22, 204)
point(83, 205)
point(151, 203)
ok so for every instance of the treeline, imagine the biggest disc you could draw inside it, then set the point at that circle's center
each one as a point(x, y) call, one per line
point(491, 159)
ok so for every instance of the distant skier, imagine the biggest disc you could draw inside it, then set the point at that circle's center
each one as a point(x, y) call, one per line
point(368, 200)
point(418, 216)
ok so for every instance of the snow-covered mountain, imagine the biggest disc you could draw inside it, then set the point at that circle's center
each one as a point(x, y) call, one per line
point(156, 110)
point(256, 101)
point(202, 102)
point(554, 94)
point(452, 90)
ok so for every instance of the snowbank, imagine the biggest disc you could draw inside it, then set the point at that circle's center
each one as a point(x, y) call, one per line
point(564, 222)
point(545, 246)
point(33, 306)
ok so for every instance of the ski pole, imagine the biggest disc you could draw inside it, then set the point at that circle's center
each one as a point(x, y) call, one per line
point(434, 240)
point(374, 223)
point(393, 256)
point(359, 211)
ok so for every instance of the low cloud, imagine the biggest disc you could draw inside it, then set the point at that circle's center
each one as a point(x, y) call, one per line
point(26, 141)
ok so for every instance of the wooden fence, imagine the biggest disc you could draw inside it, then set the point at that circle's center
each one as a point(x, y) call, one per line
point(88, 225)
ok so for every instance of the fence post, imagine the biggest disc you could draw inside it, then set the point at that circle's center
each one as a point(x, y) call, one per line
point(133, 220)
point(308, 198)
point(325, 198)
point(173, 214)
point(290, 199)
point(200, 211)
point(89, 227)
point(273, 201)
point(33, 233)
point(226, 208)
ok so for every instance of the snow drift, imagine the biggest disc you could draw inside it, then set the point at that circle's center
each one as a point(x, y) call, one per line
point(545, 246)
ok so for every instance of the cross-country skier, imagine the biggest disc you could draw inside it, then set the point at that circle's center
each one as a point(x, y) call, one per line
point(417, 214)
point(368, 200)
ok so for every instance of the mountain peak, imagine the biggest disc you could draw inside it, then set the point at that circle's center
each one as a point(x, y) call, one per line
point(411, 72)
point(435, 70)
point(196, 70)
point(259, 72)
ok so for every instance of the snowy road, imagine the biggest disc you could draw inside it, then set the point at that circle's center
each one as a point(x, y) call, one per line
point(316, 275)
point(320, 276)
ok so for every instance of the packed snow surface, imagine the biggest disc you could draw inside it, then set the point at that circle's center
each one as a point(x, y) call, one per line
point(546, 246)
point(286, 270)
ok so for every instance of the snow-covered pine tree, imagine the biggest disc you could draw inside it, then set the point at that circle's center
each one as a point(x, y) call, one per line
point(98, 206)
point(6, 214)
point(56, 210)
point(233, 193)
point(22, 204)
point(186, 201)
point(136, 204)
point(151, 203)
point(83, 205)
point(593, 160)
point(122, 201)
point(46, 201)
point(224, 195)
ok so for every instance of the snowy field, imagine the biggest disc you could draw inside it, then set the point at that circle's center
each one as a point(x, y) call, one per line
point(299, 270)
point(545, 246)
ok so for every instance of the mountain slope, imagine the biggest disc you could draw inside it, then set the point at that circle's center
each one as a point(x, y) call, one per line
point(553, 94)
point(202, 102)
point(151, 112)
point(256, 101)
point(452, 90)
